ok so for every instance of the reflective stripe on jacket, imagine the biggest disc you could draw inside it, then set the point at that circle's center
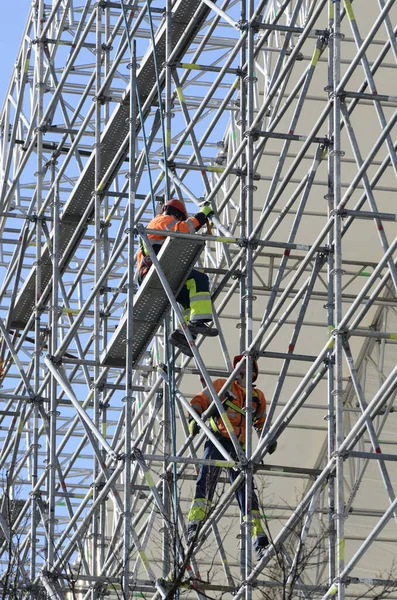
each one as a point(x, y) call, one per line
point(202, 401)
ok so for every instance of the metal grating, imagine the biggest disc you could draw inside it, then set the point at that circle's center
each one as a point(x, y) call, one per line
point(113, 138)
point(151, 303)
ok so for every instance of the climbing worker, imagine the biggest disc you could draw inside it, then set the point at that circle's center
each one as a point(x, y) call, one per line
point(195, 295)
point(234, 400)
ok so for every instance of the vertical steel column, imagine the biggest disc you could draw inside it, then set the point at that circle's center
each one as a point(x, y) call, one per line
point(330, 312)
point(170, 489)
point(130, 326)
point(52, 459)
point(105, 201)
point(95, 529)
point(243, 217)
point(372, 433)
point(168, 94)
point(105, 257)
point(125, 430)
point(338, 350)
point(40, 87)
point(34, 497)
point(169, 482)
point(243, 233)
point(103, 508)
point(249, 195)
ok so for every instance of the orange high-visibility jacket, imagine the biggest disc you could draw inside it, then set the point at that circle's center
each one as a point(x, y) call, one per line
point(202, 401)
point(168, 223)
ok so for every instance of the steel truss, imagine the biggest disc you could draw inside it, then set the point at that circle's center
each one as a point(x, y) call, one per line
point(282, 114)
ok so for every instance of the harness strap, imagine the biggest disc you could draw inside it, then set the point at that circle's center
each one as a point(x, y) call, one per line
point(143, 247)
point(230, 404)
point(234, 407)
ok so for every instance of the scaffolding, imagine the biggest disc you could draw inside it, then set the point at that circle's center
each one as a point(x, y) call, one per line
point(282, 115)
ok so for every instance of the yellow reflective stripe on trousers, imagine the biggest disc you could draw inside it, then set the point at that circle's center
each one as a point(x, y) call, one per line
point(256, 523)
point(198, 296)
point(200, 302)
point(199, 509)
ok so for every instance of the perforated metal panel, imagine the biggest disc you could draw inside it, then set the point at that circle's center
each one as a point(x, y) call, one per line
point(25, 302)
point(151, 303)
point(114, 138)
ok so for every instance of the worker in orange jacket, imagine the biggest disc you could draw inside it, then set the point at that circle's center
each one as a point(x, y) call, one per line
point(234, 400)
point(195, 295)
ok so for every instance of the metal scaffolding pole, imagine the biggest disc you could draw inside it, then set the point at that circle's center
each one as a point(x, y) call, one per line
point(281, 114)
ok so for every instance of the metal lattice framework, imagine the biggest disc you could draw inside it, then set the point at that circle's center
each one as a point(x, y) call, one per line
point(282, 114)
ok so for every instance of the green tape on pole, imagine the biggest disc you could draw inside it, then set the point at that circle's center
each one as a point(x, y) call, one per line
point(149, 479)
point(316, 55)
point(191, 66)
point(225, 464)
point(349, 10)
point(333, 589)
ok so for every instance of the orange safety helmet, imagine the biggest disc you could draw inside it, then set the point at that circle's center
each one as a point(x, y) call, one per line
point(178, 205)
point(255, 369)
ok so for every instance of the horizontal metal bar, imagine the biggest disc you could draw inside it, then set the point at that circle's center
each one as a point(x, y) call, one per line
point(203, 168)
point(258, 467)
point(372, 581)
point(371, 333)
point(372, 455)
point(286, 136)
point(58, 494)
point(18, 397)
point(288, 356)
point(112, 194)
point(134, 388)
point(290, 470)
point(276, 27)
point(9, 241)
point(236, 240)
point(371, 97)
point(67, 43)
point(367, 214)
point(51, 146)
point(57, 129)
point(211, 69)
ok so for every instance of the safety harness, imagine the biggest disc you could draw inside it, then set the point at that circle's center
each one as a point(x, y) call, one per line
point(146, 262)
point(228, 401)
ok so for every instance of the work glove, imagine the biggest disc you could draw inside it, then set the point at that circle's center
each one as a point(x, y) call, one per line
point(207, 211)
point(194, 429)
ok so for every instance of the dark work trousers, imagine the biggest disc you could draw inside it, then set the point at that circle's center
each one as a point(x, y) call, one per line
point(195, 297)
point(208, 476)
point(205, 489)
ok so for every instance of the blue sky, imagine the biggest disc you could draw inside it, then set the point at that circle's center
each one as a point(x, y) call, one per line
point(12, 24)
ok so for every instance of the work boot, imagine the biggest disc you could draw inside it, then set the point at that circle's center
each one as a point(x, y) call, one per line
point(261, 545)
point(202, 328)
point(178, 339)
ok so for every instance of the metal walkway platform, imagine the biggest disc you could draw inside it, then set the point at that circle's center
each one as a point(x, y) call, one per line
point(80, 207)
point(151, 303)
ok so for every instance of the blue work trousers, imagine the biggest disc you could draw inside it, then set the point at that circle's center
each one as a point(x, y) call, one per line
point(202, 285)
point(208, 476)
